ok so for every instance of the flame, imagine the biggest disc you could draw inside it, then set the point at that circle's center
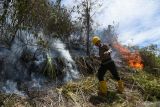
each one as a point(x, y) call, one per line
point(132, 58)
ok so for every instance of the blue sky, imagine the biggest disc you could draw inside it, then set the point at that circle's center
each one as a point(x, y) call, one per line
point(139, 20)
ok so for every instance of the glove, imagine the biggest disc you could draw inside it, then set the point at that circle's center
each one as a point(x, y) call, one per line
point(108, 52)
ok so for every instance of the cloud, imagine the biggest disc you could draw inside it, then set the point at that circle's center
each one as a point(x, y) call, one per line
point(144, 37)
point(139, 20)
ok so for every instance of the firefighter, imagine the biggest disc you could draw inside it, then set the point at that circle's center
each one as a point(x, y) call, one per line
point(106, 64)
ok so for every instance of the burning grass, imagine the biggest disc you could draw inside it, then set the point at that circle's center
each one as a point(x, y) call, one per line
point(139, 87)
point(83, 93)
point(133, 59)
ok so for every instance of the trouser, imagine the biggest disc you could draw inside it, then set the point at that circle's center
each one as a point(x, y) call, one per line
point(108, 65)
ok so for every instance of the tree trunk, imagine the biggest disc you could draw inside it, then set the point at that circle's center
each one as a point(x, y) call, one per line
point(88, 28)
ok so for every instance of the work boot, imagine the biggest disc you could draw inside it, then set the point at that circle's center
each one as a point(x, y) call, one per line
point(120, 86)
point(102, 88)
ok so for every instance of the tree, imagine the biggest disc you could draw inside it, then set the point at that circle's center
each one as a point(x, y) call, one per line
point(60, 22)
point(34, 16)
point(150, 58)
point(22, 14)
point(86, 10)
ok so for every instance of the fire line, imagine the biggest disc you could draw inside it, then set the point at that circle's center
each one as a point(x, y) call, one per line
point(132, 58)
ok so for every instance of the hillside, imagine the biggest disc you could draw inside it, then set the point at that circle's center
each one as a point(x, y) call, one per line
point(142, 89)
point(48, 57)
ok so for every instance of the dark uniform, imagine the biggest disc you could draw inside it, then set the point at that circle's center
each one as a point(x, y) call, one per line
point(106, 64)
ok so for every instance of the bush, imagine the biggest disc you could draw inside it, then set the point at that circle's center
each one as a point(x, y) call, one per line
point(150, 59)
point(148, 84)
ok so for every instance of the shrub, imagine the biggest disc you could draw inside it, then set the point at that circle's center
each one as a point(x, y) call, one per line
point(150, 59)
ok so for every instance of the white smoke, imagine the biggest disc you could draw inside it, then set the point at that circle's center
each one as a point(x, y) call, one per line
point(70, 70)
point(16, 70)
point(11, 87)
point(61, 48)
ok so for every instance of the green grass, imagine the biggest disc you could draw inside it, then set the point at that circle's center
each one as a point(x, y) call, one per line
point(50, 68)
point(149, 84)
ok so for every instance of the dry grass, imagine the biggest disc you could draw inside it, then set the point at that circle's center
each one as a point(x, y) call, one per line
point(78, 92)
point(83, 93)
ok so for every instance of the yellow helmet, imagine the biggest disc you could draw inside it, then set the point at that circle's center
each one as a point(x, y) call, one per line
point(95, 39)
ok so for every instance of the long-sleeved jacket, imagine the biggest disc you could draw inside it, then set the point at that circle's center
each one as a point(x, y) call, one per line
point(102, 52)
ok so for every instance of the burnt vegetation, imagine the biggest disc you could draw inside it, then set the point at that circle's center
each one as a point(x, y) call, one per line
point(28, 31)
